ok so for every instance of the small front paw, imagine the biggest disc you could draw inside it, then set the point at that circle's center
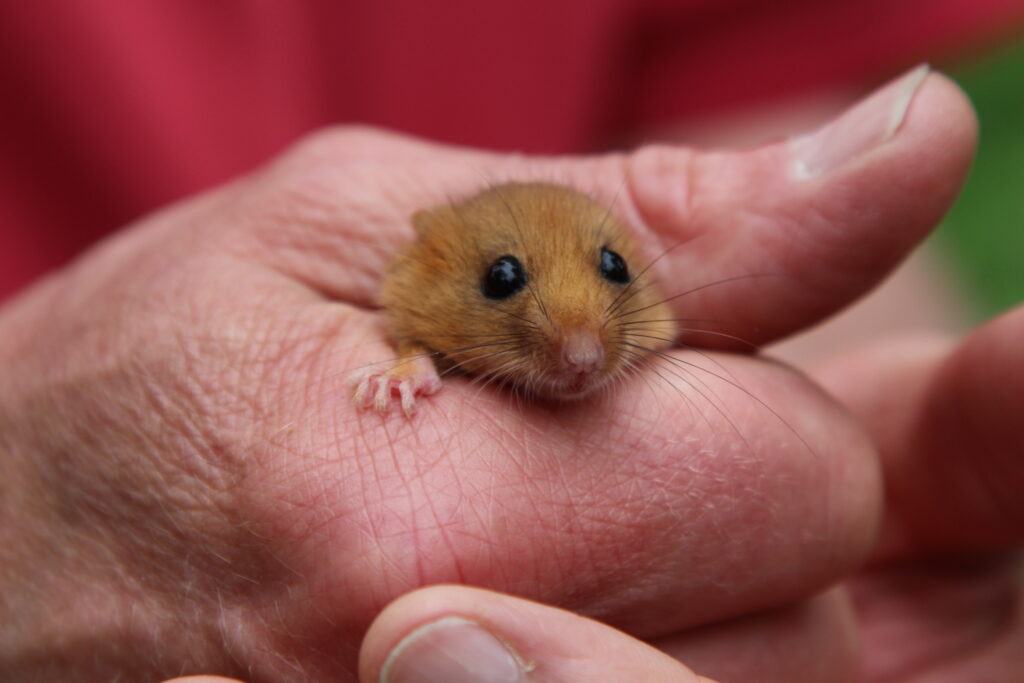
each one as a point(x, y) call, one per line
point(407, 379)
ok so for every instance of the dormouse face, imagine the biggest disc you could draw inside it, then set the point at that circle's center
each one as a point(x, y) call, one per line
point(535, 285)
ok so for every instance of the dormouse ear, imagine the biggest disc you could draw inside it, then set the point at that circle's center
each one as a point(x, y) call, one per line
point(420, 221)
point(424, 220)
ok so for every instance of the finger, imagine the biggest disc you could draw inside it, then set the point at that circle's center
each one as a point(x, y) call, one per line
point(674, 501)
point(815, 640)
point(954, 618)
point(947, 420)
point(796, 229)
point(458, 634)
point(811, 222)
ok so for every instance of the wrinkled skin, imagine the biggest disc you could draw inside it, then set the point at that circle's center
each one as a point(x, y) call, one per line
point(189, 488)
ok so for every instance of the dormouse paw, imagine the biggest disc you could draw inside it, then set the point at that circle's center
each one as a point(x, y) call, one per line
point(407, 379)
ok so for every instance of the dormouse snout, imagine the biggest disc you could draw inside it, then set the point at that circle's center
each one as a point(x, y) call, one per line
point(582, 351)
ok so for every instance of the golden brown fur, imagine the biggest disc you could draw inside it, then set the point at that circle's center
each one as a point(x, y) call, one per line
point(435, 304)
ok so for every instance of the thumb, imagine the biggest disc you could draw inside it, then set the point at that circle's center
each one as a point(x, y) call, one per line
point(762, 242)
point(458, 634)
point(814, 221)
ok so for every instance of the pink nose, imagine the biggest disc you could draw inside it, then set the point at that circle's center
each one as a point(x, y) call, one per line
point(582, 352)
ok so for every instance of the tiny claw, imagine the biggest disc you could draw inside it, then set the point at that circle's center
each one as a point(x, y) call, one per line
point(408, 397)
point(407, 379)
point(382, 397)
point(360, 384)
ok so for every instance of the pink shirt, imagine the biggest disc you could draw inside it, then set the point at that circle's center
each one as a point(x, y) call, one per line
point(109, 109)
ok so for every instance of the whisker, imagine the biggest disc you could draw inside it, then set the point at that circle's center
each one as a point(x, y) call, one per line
point(680, 362)
point(731, 381)
point(719, 409)
point(510, 314)
point(693, 330)
point(644, 270)
point(515, 222)
point(704, 286)
point(460, 365)
point(689, 400)
point(502, 335)
point(687, 347)
point(612, 311)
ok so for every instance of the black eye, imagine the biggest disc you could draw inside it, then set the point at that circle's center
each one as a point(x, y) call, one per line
point(613, 267)
point(505, 277)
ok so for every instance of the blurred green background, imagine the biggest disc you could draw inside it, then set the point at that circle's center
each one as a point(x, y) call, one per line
point(984, 233)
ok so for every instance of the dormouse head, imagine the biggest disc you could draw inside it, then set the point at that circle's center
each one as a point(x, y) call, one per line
point(535, 285)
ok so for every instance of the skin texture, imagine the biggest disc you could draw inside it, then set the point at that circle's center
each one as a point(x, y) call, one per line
point(190, 489)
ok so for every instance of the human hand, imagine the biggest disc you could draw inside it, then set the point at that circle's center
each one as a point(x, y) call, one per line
point(458, 634)
point(943, 599)
point(190, 488)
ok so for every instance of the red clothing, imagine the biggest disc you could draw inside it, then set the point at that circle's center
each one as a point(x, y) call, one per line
point(110, 108)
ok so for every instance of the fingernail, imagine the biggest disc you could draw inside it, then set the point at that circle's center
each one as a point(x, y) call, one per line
point(451, 650)
point(868, 124)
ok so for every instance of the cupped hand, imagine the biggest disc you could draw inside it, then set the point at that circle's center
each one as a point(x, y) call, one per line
point(189, 488)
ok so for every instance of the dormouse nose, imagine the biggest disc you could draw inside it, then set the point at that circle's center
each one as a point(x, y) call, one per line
point(582, 351)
